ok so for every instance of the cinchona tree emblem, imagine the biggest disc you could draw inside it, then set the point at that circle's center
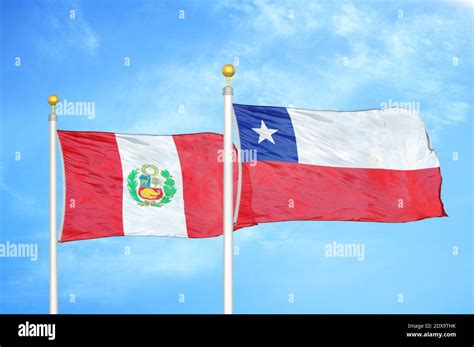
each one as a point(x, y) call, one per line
point(149, 186)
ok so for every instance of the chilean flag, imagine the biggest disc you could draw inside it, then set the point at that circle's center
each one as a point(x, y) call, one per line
point(123, 185)
point(373, 165)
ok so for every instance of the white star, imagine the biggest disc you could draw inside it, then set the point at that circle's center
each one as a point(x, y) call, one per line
point(265, 133)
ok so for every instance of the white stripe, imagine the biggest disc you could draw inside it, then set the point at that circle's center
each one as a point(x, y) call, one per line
point(392, 138)
point(168, 220)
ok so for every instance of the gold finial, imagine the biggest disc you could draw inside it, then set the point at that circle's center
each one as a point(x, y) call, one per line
point(228, 70)
point(53, 101)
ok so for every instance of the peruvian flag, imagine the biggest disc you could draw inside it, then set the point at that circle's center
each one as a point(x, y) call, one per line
point(117, 185)
point(373, 165)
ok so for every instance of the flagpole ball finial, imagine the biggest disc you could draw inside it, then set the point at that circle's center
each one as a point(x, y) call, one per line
point(53, 100)
point(228, 70)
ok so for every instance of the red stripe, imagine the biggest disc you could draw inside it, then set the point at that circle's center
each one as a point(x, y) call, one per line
point(202, 171)
point(246, 216)
point(350, 194)
point(94, 185)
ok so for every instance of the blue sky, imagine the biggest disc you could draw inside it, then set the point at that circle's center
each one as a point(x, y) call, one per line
point(317, 55)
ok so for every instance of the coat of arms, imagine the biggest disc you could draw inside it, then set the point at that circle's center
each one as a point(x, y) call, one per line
point(149, 186)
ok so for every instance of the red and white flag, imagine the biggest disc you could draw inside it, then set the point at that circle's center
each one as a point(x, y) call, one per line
point(117, 185)
point(374, 165)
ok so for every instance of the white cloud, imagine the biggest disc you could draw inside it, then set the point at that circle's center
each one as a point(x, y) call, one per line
point(68, 33)
point(171, 99)
point(273, 19)
point(380, 51)
point(352, 21)
point(457, 110)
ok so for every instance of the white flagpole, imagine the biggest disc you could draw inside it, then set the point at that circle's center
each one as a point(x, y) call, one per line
point(228, 71)
point(53, 242)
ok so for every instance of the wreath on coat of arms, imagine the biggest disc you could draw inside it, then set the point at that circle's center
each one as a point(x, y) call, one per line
point(153, 187)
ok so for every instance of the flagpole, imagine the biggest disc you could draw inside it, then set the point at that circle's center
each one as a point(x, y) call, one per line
point(228, 71)
point(53, 242)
